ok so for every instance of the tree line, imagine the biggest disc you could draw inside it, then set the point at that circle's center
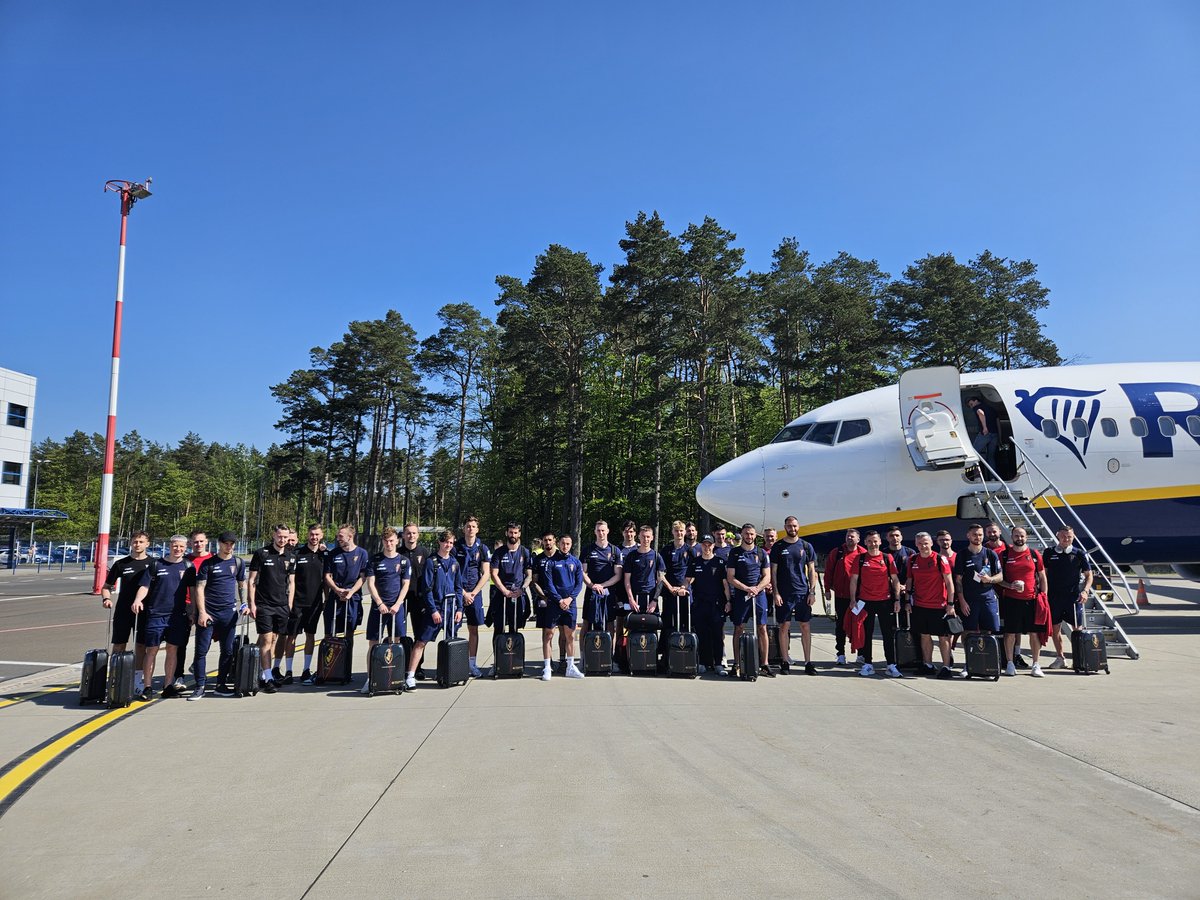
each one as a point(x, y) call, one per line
point(586, 396)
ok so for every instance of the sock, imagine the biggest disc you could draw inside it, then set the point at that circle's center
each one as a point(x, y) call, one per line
point(471, 660)
point(139, 681)
point(308, 661)
point(546, 665)
point(268, 675)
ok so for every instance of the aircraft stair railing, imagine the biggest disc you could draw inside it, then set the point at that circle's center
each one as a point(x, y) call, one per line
point(1010, 508)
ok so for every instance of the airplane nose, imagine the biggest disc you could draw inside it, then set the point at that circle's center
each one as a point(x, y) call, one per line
point(737, 491)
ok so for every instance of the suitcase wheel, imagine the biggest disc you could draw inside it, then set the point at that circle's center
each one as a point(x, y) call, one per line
point(370, 693)
point(969, 676)
point(1107, 671)
point(995, 678)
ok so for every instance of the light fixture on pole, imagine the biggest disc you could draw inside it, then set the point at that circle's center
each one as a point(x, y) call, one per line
point(131, 192)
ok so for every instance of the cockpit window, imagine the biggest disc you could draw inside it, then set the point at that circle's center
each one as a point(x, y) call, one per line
point(821, 433)
point(792, 432)
point(853, 428)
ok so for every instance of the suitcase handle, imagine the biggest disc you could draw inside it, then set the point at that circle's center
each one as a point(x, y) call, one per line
point(447, 603)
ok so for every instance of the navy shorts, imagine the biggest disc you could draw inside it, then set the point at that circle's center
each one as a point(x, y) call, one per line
point(271, 619)
point(739, 611)
point(375, 618)
point(552, 615)
point(427, 630)
point(929, 621)
point(473, 612)
point(159, 627)
point(797, 610)
point(1066, 609)
point(985, 616)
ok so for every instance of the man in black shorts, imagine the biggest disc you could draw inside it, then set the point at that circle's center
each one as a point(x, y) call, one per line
point(307, 604)
point(272, 588)
point(127, 572)
point(1068, 579)
point(416, 553)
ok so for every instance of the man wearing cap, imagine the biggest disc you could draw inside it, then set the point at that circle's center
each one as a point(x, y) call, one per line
point(216, 599)
point(710, 600)
point(272, 588)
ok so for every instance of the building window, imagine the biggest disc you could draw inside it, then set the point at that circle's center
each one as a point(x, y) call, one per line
point(17, 415)
point(12, 473)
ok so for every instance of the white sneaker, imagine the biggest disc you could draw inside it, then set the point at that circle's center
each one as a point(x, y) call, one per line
point(1059, 663)
point(893, 672)
point(573, 671)
point(1010, 669)
point(792, 662)
point(410, 683)
point(475, 673)
point(841, 660)
point(867, 670)
point(546, 674)
point(1036, 671)
point(366, 688)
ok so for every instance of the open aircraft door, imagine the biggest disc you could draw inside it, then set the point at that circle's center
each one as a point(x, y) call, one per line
point(932, 418)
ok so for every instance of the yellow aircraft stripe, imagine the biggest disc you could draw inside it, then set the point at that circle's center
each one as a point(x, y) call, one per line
point(1093, 498)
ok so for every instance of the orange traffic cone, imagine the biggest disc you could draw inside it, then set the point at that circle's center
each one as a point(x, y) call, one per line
point(1142, 599)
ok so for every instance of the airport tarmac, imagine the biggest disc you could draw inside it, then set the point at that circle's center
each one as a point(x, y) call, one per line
point(796, 786)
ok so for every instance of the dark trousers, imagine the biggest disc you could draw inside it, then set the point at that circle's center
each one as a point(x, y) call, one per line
point(881, 610)
point(224, 628)
point(709, 623)
point(839, 609)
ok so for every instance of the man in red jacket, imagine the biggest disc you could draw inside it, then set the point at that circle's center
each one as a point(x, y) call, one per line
point(839, 566)
point(1024, 577)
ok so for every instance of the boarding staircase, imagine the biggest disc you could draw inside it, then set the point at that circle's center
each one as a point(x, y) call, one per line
point(1018, 505)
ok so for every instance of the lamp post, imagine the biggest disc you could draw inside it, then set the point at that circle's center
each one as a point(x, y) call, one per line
point(37, 471)
point(131, 192)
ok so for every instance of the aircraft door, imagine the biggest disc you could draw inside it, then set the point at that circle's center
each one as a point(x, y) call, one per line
point(931, 417)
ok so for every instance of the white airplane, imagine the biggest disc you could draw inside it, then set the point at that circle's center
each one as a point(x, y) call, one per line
point(1120, 441)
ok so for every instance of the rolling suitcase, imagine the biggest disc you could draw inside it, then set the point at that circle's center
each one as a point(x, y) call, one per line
point(508, 647)
point(905, 651)
point(94, 677)
point(247, 664)
point(597, 650)
point(118, 689)
point(452, 657)
point(334, 655)
point(1089, 653)
point(683, 650)
point(746, 651)
point(386, 665)
point(643, 652)
point(983, 656)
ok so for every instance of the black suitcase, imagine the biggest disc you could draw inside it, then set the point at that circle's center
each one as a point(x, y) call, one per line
point(247, 664)
point(452, 656)
point(774, 657)
point(596, 648)
point(335, 653)
point(508, 647)
point(1089, 653)
point(683, 650)
point(643, 652)
point(93, 680)
point(983, 656)
point(643, 622)
point(747, 655)
point(905, 652)
point(118, 689)
point(386, 664)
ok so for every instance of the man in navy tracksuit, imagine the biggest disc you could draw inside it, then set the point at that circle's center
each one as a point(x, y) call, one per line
point(442, 592)
point(564, 581)
point(710, 599)
point(218, 592)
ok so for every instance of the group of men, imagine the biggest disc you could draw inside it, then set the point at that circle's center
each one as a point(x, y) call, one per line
point(695, 583)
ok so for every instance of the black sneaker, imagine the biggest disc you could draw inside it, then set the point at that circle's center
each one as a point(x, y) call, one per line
point(224, 690)
point(276, 674)
point(945, 673)
point(929, 670)
point(784, 667)
point(765, 672)
point(268, 687)
point(810, 669)
point(170, 691)
point(287, 679)
point(146, 695)
point(307, 677)
point(1020, 662)
point(419, 675)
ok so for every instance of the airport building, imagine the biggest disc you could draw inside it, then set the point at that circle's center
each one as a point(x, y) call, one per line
point(17, 393)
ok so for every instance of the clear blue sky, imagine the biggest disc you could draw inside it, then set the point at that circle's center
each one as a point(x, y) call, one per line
point(315, 164)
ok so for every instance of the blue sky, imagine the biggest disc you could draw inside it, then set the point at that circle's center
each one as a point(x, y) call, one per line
point(315, 164)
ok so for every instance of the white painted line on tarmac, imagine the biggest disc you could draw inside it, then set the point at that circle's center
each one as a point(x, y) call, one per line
point(29, 662)
point(41, 627)
point(37, 596)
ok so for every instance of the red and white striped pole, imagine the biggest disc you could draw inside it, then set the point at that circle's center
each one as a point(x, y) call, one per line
point(130, 193)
